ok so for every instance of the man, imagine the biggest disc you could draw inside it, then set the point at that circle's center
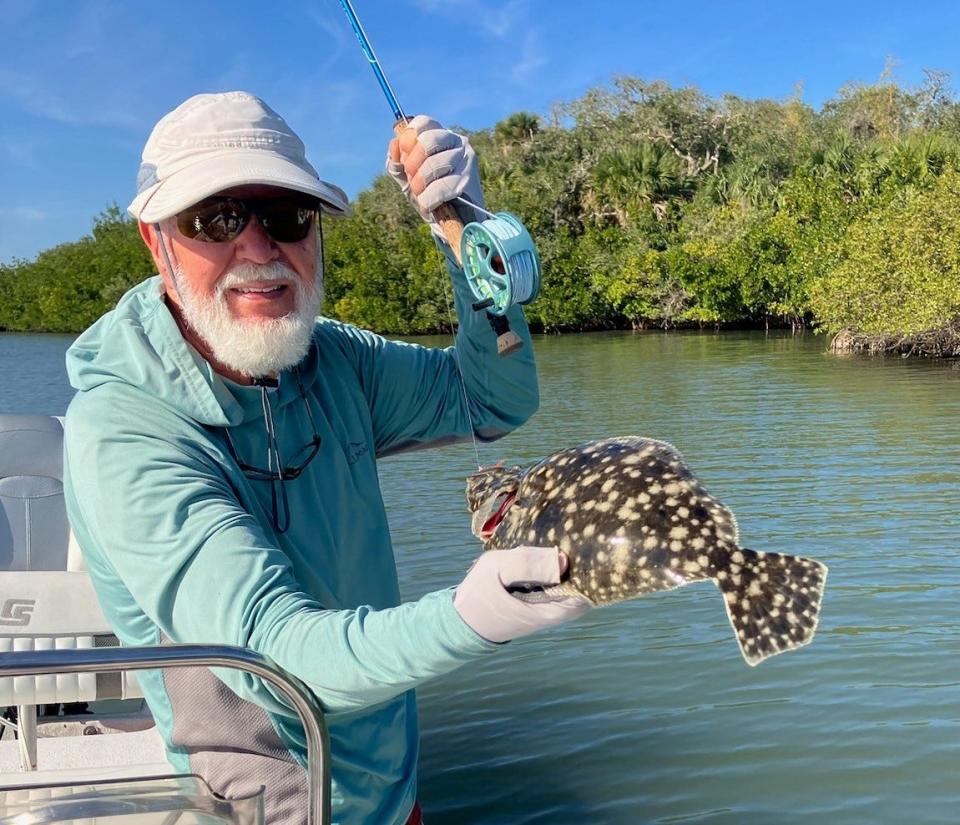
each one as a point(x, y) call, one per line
point(221, 464)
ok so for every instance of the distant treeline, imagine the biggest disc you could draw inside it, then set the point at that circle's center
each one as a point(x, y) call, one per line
point(651, 206)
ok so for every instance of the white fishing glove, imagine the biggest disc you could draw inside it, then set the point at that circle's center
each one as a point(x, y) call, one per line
point(483, 602)
point(439, 167)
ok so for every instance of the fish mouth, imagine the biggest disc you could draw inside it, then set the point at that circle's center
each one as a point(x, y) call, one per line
point(499, 507)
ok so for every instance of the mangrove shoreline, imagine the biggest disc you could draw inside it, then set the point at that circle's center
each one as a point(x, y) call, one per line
point(652, 207)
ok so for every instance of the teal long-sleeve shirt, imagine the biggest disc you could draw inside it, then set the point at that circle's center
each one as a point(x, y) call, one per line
point(182, 547)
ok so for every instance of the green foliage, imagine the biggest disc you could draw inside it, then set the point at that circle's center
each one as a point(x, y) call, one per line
point(644, 286)
point(68, 287)
point(382, 269)
point(638, 178)
point(518, 128)
point(900, 267)
point(650, 205)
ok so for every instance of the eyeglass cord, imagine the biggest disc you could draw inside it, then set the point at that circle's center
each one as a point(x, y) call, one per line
point(273, 452)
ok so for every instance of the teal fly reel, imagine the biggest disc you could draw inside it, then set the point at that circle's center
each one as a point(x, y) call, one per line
point(501, 263)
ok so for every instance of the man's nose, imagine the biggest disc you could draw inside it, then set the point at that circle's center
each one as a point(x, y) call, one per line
point(254, 244)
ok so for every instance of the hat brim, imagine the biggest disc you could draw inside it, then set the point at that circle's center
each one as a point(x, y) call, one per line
point(193, 183)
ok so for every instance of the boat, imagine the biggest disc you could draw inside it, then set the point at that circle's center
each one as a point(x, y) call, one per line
point(58, 652)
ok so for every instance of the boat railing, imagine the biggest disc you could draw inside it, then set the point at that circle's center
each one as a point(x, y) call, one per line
point(117, 659)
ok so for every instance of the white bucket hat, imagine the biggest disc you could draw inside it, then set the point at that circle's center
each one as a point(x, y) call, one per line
point(212, 142)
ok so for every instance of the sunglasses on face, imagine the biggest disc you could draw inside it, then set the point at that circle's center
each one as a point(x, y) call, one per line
point(286, 219)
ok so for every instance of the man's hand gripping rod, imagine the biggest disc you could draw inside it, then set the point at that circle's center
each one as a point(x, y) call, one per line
point(492, 248)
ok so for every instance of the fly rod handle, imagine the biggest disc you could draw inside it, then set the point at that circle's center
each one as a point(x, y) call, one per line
point(451, 226)
point(444, 214)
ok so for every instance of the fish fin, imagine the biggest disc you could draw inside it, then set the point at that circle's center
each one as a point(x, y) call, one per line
point(772, 601)
point(725, 523)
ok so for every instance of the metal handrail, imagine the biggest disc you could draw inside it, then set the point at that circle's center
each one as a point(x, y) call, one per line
point(114, 659)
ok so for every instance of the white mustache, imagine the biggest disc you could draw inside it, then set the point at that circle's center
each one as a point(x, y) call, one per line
point(243, 274)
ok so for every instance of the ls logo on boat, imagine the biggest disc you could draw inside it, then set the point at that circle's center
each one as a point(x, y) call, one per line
point(16, 612)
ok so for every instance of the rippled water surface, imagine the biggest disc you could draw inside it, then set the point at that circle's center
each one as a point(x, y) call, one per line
point(645, 712)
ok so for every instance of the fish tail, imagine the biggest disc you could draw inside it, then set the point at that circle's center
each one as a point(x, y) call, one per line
point(772, 600)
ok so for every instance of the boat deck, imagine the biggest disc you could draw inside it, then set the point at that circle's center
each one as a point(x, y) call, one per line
point(118, 754)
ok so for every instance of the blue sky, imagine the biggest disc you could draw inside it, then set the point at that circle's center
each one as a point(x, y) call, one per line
point(83, 82)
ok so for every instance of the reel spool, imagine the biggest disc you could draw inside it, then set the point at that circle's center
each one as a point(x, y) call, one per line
point(501, 263)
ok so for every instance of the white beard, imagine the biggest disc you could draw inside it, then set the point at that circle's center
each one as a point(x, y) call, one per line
point(254, 347)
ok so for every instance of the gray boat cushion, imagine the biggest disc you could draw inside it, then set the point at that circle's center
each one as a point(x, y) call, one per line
point(33, 520)
point(47, 601)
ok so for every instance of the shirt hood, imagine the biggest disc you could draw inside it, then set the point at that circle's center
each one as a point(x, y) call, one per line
point(139, 343)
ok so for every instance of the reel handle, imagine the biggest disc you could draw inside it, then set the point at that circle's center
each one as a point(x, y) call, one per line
point(508, 342)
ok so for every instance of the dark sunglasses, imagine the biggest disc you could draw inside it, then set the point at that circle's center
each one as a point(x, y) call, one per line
point(286, 219)
point(276, 472)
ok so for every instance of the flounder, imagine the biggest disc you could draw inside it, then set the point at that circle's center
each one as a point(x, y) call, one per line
point(633, 519)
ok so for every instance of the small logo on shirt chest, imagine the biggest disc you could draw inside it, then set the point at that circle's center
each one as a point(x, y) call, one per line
point(355, 451)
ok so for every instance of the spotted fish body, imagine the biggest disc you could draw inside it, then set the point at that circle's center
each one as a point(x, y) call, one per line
point(633, 519)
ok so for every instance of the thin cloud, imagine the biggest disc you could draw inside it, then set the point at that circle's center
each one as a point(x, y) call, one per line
point(501, 22)
point(495, 21)
point(532, 58)
point(240, 73)
point(319, 101)
point(33, 98)
point(431, 6)
point(24, 214)
point(37, 100)
point(18, 151)
point(339, 34)
point(87, 30)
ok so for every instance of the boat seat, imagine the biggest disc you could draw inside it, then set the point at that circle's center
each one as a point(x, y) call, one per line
point(47, 599)
point(34, 532)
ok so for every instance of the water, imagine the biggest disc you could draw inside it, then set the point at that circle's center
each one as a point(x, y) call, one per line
point(644, 712)
point(33, 378)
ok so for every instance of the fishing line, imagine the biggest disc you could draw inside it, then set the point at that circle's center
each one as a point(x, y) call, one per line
point(456, 356)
